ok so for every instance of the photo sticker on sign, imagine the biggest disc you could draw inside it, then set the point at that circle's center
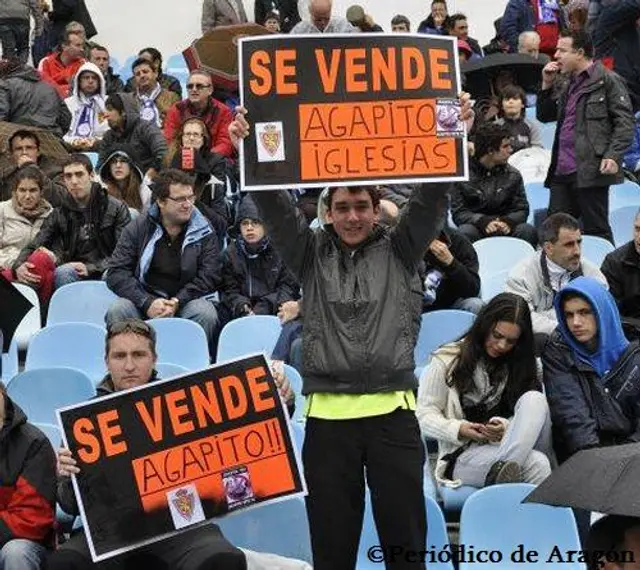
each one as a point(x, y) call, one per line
point(270, 142)
point(237, 487)
point(185, 506)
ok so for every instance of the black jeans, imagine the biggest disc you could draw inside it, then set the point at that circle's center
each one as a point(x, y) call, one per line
point(336, 455)
point(522, 231)
point(589, 205)
point(14, 36)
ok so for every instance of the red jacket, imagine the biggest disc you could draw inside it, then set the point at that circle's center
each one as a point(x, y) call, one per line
point(53, 71)
point(27, 480)
point(216, 116)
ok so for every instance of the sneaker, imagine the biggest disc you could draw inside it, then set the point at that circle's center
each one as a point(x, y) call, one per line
point(504, 472)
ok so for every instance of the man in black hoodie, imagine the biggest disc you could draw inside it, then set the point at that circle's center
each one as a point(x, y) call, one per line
point(27, 489)
point(80, 235)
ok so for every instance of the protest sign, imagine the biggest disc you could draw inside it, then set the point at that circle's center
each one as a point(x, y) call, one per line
point(350, 110)
point(164, 457)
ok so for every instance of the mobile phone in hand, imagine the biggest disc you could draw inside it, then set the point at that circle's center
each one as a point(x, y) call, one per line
point(188, 159)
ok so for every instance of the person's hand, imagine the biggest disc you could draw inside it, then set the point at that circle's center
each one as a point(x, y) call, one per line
point(609, 166)
point(438, 19)
point(281, 380)
point(288, 311)
point(503, 227)
point(441, 252)
point(151, 173)
point(549, 73)
point(50, 253)
point(472, 431)
point(23, 159)
point(467, 113)
point(66, 464)
point(494, 430)
point(158, 308)
point(492, 227)
point(80, 268)
point(24, 274)
point(239, 127)
point(471, 148)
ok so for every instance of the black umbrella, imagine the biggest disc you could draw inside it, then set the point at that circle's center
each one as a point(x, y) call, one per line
point(604, 479)
point(480, 75)
point(13, 308)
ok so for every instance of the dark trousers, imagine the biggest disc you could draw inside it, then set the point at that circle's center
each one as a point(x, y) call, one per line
point(336, 455)
point(589, 205)
point(14, 36)
point(522, 231)
point(203, 548)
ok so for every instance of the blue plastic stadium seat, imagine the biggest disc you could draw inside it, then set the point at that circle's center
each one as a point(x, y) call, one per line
point(279, 528)
point(248, 335)
point(494, 519)
point(595, 249)
point(493, 284)
point(76, 345)
point(296, 384)
point(169, 370)
point(621, 221)
point(548, 134)
point(438, 328)
point(41, 391)
point(80, 302)
point(454, 499)
point(30, 324)
point(625, 194)
point(496, 254)
point(538, 198)
point(182, 342)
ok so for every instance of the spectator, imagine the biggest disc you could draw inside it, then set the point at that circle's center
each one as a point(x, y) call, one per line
point(497, 43)
point(622, 270)
point(22, 216)
point(484, 389)
point(27, 100)
point(217, 13)
point(153, 99)
point(542, 16)
point(458, 26)
point(125, 181)
point(577, 13)
point(272, 22)
point(616, 39)
point(538, 278)
point(465, 53)
point(524, 132)
point(400, 24)
point(166, 261)
point(613, 534)
point(364, 22)
point(66, 11)
point(142, 139)
point(87, 107)
point(321, 22)
point(493, 202)
point(287, 11)
point(200, 103)
point(99, 56)
point(60, 67)
point(529, 44)
point(451, 274)
point(24, 149)
point(367, 378)
point(254, 279)
point(79, 236)
point(595, 128)
point(590, 372)
point(434, 23)
point(166, 81)
point(191, 153)
point(14, 27)
point(27, 492)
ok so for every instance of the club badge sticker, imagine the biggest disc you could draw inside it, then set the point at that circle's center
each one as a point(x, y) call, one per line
point(185, 506)
point(237, 486)
point(448, 118)
point(270, 142)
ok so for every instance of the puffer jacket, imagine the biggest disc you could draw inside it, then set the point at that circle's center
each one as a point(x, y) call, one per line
point(140, 139)
point(132, 257)
point(16, 231)
point(60, 230)
point(362, 308)
point(604, 128)
point(27, 100)
point(490, 195)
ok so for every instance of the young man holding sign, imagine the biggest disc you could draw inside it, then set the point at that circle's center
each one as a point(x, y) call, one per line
point(362, 305)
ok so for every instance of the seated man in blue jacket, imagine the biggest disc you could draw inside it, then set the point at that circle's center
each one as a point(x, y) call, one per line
point(166, 262)
point(591, 372)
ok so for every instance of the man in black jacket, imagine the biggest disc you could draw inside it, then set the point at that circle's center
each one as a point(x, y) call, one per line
point(591, 372)
point(27, 490)
point(99, 55)
point(493, 202)
point(166, 261)
point(286, 9)
point(622, 270)
point(80, 235)
point(595, 128)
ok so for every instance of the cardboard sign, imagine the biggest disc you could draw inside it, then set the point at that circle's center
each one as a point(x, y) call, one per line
point(328, 110)
point(159, 459)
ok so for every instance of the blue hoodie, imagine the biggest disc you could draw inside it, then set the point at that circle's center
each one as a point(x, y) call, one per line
point(611, 340)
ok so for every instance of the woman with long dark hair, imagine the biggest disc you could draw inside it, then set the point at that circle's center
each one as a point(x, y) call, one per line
point(481, 398)
point(125, 181)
